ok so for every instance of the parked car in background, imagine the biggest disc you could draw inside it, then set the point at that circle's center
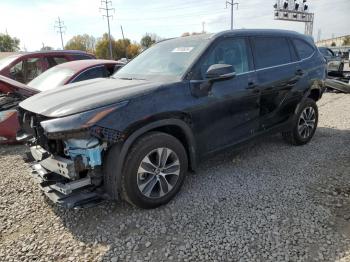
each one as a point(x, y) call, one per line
point(136, 134)
point(13, 92)
point(334, 62)
point(24, 67)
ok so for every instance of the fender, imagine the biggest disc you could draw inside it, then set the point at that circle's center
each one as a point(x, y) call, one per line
point(305, 96)
point(121, 149)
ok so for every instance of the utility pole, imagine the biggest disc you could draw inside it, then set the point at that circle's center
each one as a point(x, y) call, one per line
point(59, 24)
point(126, 51)
point(319, 35)
point(106, 6)
point(232, 4)
point(203, 27)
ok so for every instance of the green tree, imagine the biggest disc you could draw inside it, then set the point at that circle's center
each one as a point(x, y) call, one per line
point(133, 50)
point(333, 44)
point(102, 47)
point(346, 41)
point(46, 48)
point(149, 39)
point(120, 48)
point(8, 43)
point(82, 42)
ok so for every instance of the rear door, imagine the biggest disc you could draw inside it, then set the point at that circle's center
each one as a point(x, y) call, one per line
point(275, 64)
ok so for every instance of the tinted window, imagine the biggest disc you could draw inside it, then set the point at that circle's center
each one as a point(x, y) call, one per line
point(56, 60)
point(228, 51)
point(304, 49)
point(271, 51)
point(82, 57)
point(92, 73)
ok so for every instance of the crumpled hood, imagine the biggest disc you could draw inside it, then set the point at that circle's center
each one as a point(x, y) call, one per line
point(86, 95)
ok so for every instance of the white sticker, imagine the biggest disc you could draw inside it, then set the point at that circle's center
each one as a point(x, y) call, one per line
point(185, 49)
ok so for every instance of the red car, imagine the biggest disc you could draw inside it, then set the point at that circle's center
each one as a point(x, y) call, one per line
point(13, 92)
point(24, 67)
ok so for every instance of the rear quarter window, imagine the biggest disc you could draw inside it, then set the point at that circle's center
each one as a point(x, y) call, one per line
point(304, 49)
point(92, 73)
point(271, 51)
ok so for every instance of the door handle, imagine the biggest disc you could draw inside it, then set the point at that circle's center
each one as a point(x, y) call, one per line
point(299, 72)
point(251, 85)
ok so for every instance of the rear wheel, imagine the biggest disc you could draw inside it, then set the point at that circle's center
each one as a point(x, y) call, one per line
point(304, 125)
point(154, 170)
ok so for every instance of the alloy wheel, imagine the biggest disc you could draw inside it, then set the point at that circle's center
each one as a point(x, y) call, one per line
point(158, 173)
point(307, 121)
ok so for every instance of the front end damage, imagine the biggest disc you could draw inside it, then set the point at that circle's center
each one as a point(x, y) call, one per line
point(67, 164)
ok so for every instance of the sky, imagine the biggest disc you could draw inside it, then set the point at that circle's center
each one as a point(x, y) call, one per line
point(33, 21)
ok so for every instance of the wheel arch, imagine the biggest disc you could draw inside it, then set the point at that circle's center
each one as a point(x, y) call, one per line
point(175, 126)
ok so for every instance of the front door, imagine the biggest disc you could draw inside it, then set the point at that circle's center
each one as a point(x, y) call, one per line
point(229, 113)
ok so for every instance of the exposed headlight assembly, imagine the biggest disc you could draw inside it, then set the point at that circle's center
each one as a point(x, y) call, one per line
point(77, 125)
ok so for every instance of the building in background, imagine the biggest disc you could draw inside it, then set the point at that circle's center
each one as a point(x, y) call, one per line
point(338, 41)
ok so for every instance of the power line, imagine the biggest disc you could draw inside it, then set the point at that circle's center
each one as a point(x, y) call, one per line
point(59, 24)
point(232, 4)
point(106, 7)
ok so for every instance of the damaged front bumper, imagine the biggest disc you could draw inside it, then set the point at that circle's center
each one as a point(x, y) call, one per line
point(58, 179)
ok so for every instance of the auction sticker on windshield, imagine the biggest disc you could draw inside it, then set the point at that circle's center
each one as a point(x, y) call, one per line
point(185, 49)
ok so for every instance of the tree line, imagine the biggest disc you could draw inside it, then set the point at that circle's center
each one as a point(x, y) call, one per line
point(121, 48)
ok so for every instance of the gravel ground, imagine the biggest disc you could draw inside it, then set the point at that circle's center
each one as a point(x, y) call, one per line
point(266, 202)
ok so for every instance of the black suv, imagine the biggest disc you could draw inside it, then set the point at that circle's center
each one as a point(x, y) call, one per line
point(136, 134)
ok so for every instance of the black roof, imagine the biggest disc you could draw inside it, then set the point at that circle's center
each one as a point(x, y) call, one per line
point(254, 32)
point(264, 32)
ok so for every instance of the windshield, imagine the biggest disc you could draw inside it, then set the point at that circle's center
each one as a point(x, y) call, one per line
point(168, 60)
point(51, 78)
point(6, 61)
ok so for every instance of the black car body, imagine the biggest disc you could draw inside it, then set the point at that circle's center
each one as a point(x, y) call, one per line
point(175, 104)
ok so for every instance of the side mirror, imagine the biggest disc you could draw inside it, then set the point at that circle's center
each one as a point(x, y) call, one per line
point(200, 88)
point(220, 72)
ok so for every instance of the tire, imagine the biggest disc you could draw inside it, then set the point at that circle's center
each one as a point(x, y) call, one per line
point(303, 129)
point(154, 170)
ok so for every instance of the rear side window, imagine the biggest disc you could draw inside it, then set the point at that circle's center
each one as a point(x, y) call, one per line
point(97, 72)
point(81, 57)
point(271, 51)
point(304, 49)
point(56, 60)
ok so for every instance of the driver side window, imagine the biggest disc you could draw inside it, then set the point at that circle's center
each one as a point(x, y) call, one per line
point(228, 51)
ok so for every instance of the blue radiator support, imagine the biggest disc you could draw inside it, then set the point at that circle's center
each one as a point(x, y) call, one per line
point(89, 149)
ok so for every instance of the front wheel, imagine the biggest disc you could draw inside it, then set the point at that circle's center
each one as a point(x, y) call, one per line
point(304, 124)
point(154, 170)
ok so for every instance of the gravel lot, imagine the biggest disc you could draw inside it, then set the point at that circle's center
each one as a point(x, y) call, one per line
point(266, 202)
